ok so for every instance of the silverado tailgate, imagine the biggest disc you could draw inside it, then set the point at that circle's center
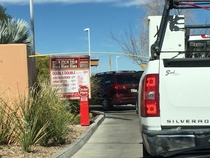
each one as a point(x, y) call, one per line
point(185, 92)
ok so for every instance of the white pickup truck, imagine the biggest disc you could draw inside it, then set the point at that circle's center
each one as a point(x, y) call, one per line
point(174, 90)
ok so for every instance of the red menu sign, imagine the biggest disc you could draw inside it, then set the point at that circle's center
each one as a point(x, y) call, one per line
point(69, 75)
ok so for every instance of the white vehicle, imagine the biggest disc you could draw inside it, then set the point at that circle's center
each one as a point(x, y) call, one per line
point(174, 90)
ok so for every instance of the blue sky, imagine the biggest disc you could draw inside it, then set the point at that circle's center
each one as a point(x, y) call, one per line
point(59, 27)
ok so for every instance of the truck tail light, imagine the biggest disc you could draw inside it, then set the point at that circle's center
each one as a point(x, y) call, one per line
point(150, 96)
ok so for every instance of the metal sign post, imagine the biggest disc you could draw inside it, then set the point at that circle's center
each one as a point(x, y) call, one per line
point(84, 106)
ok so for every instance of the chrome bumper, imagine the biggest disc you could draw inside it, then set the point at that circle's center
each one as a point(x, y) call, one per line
point(168, 142)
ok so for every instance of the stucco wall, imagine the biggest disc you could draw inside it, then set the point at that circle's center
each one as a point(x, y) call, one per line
point(17, 70)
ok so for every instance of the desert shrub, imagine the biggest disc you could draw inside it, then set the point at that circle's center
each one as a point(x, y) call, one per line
point(38, 117)
point(42, 67)
point(76, 119)
point(74, 106)
point(95, 88)
point(6, 125)
point(52, 111)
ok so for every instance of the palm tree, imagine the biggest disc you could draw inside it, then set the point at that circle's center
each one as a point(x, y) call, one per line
point(12, 31)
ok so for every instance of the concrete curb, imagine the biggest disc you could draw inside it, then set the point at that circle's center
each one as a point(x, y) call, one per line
point(70, 150)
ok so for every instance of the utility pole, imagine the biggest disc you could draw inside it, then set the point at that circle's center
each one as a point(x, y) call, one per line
point(110, 62)
point(32, 26)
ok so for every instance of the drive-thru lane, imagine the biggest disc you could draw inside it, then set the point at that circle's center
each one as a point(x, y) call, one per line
point(117, 136)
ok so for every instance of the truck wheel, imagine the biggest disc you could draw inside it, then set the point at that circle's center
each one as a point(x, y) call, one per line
point(145, 153)
point(106, 105)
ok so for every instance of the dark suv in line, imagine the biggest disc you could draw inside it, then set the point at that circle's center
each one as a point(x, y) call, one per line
point(117, 88)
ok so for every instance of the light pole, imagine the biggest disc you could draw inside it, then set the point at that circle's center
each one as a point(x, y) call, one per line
point(32, 26)
point(88, 30)
point(117, 63)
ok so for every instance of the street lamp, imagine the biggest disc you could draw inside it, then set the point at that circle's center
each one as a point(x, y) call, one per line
point(117, 63)
point(88, 30)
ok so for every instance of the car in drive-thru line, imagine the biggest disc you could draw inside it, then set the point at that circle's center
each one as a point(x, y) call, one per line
point(174, 90)
point(117, 88)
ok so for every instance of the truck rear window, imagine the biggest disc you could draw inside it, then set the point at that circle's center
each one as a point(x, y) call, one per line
point(126, 79)
point(198, 49)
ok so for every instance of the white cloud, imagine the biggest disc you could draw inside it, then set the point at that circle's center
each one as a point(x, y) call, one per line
point(125, 3)
point(129, 3)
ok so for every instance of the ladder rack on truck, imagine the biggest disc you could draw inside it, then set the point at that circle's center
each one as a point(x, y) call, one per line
point(176, 4)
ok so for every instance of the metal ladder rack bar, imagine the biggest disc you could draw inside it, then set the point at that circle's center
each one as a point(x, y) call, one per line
point(169, 4)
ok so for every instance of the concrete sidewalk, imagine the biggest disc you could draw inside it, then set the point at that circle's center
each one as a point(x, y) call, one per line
point(69, 151)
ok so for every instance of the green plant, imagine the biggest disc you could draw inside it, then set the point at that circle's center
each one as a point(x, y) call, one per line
point(52, 109)
point(74, 107)
point(28, 123)
point(42, 66)
point(60, 122)
point(6, 127)
point(3, 15)
point(76, 119)
point(38, 117)
point(12, 31)
point(27, 119)
point(95, 87)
